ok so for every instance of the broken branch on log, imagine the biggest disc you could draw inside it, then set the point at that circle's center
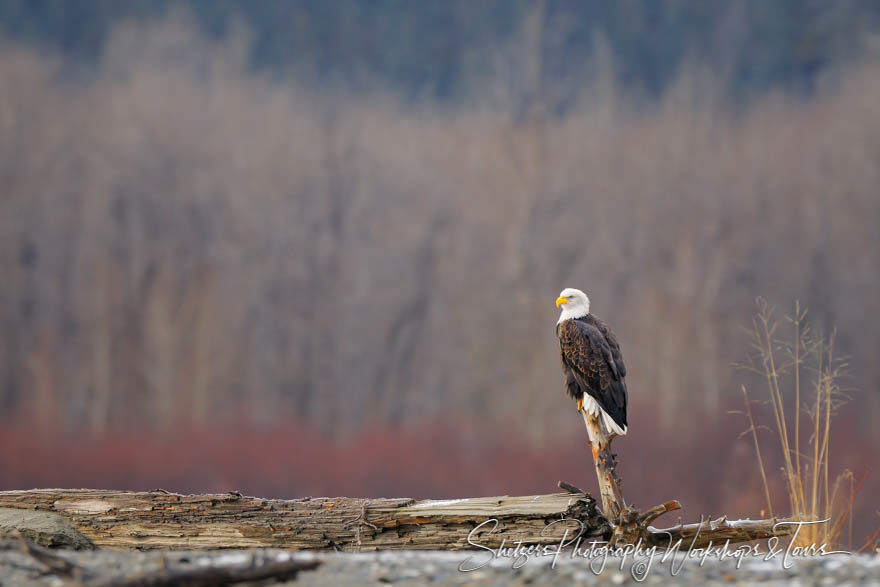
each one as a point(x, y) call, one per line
point(569, 487)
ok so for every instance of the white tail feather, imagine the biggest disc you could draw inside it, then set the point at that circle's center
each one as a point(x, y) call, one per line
point(592, 407)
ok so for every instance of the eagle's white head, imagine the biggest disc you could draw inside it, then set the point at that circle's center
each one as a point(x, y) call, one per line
point(574, 303)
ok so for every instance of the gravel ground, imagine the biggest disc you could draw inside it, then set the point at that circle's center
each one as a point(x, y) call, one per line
point(426, 567)
point(414, 568)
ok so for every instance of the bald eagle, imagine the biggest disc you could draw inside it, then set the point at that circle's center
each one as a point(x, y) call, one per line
point(591, 362)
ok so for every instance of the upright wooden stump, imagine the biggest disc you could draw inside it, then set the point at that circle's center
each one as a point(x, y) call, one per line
point(606, 464)
point(629, 525)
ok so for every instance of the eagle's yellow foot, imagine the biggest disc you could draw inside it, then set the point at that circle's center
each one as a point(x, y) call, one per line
point(580, 403)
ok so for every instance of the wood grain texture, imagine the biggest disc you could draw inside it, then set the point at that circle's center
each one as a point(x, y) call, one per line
point(606, 466)
point(700, 534)
point(158, 519)
point(145, 520)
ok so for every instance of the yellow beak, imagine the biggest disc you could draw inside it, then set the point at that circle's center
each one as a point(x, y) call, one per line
point(561, 300)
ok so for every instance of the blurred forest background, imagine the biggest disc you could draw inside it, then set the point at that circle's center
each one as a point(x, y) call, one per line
point(312, 248)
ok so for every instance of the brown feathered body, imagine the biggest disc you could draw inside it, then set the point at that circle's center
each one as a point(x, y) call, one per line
point(593, 365)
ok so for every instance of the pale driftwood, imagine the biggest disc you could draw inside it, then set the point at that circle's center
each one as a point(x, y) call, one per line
point(158, 519)
point(144, 520)
point(699, 535)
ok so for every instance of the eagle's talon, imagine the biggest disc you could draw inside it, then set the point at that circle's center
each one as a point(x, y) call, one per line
point(581, 404)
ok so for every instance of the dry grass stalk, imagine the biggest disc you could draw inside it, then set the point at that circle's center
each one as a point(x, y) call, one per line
point(785, 364)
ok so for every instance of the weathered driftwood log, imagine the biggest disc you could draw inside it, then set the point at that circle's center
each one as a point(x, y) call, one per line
point(700, 534)
point(157, 519)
